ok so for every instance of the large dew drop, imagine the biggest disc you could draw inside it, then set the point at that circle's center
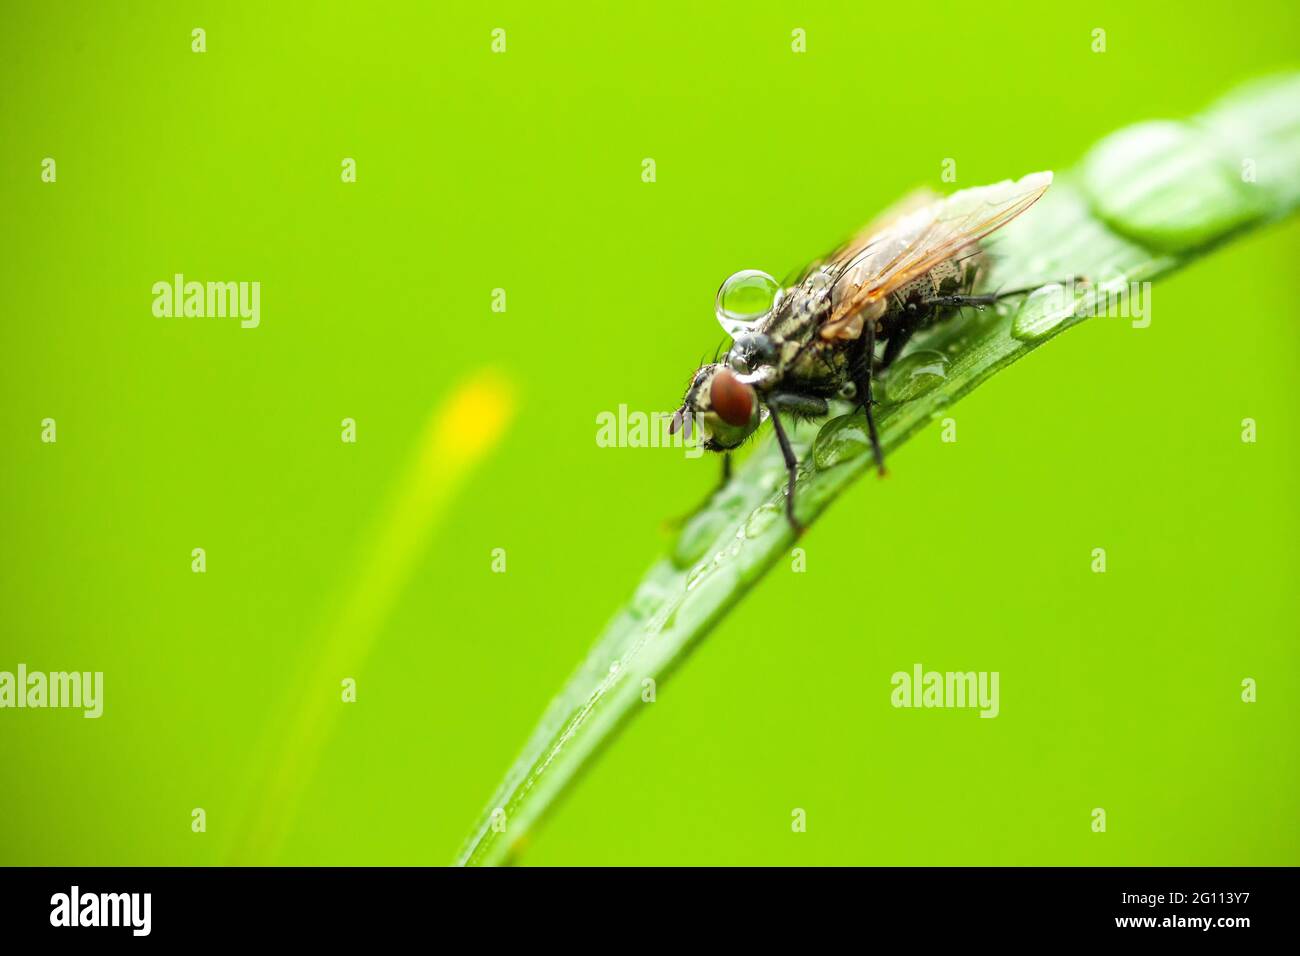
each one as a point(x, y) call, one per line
point(745, 298)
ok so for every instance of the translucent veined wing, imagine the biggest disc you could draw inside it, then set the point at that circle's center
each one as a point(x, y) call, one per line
point(807, 288)
point(845, 253)
point(917, 242)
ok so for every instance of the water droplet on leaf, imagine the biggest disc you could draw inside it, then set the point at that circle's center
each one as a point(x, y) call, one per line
point(1042, 313)
point(840, 441)
point(915, 374)
point(703, 529)
point(762, 519)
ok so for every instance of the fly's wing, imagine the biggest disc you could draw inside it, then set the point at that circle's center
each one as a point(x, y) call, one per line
point(836, 259)
point(919, 241)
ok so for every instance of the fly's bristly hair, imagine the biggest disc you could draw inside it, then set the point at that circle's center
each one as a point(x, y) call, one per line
point(752, 437)
point(798, 417)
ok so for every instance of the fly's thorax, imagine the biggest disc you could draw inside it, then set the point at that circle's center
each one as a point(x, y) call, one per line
point(786, 353)
point(795, 319)
point(821, 368)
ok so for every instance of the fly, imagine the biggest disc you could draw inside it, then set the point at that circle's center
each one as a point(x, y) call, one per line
point(795, 348)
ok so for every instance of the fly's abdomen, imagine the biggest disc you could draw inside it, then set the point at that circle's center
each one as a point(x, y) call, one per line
point(955, 276)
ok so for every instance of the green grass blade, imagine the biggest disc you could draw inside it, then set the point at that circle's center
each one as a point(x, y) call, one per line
point(1144, 202)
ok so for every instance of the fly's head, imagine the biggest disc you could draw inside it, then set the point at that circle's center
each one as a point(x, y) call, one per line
point(722, 405)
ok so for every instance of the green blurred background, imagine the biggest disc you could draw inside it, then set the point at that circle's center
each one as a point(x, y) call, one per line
point(522, 171)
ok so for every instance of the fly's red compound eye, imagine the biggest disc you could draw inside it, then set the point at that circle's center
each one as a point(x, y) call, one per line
point(731, 398)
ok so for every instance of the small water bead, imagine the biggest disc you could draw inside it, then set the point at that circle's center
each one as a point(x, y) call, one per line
point(655, 591)
point(1042, 313)
point(700, 603)
point(705, 570)
point(746, 297)
point(698, 573)
point(842, 440)
point(703, 529)
point(819, 282)
point(762, 519)
point(915, 374)
point(648, 597)
point(811, 293)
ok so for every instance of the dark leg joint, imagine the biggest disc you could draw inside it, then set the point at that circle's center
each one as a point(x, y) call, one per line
point(865, 393)
point(791, 467)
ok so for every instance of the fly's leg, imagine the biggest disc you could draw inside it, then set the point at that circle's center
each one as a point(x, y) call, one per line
point(791, 467)
point(961, 301)
point(867, 367)
point(895, 343)
point(801, 406)
point(726, 470)
point(863, 375)
point(979, 301)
